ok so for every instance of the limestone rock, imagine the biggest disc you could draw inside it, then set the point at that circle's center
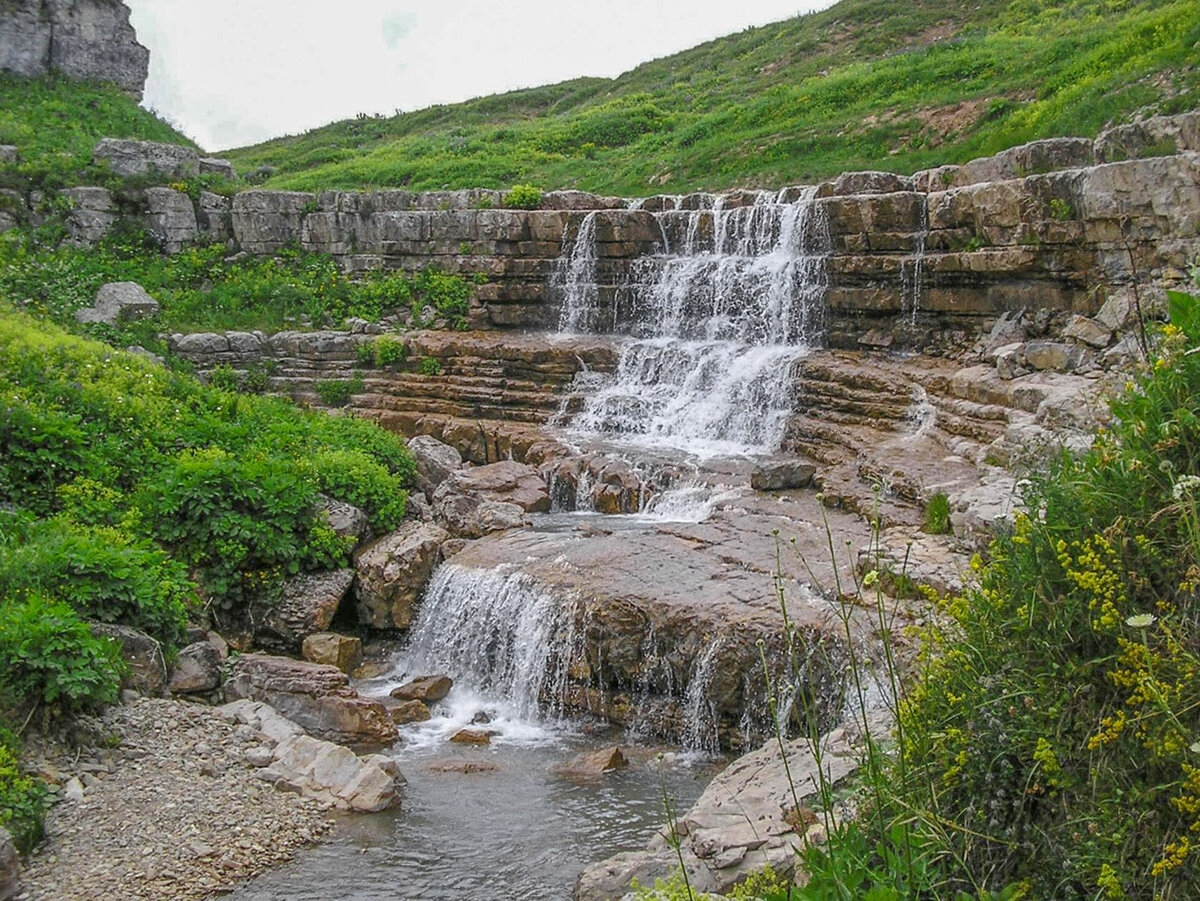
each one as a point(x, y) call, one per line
point(506, 481)
point(1088, 331)
point(1116, 313)
point(197, 669)
point(465, 516)
point(343, 651)
point(147, 665)
point(266, 723)
point(10, 867)
point(333, 774)
point(427, 689)
point(89, 40)
point(221, 168)
point(783, 475)
point(346, 519)
point(317, 698)
point(1050, 355)
point(435, 462)
point(130, 158)
point(466, 767)
point(8, 154)
point(593, 764)
point(1008, 329)
point(472, 737)
point(118, 301)
point(306, 605)
point(407, 712)
point(392, 573)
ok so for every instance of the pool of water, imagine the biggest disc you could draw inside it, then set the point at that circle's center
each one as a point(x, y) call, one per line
point(518, 830)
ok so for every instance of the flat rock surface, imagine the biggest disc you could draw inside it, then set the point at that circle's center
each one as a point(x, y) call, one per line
point(212, 821)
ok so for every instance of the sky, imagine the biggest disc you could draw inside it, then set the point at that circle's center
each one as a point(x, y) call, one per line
point(235, 72)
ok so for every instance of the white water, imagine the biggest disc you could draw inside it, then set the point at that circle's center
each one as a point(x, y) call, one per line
point(718, 322)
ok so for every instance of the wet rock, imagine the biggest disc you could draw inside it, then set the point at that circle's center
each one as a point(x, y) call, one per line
point(593, 764)
point(147, 671)
point(129, 158)
point(197, 669)
point(435, 462)
point(427, 689)
point(472, 737)
point(118, 301)
point(481, 718)
point(465, 516)
point(466, 767)
point(10, 867)
point(343, 651)
point(392, 573)
point(319, 699)
point(332, 774)
point(782, 475)
point(307, 605)
point(406, 712)
point(1088, 331)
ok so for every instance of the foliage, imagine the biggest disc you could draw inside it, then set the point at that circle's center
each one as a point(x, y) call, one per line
point(384, 351)
point(431, 366)
point(937, 514)
point(198, 289)
point(862, 84)
point(354, 477)
point(22, 797)
point(523, 197)
point(1049, 743)
point(49, 655)
point(337, 392)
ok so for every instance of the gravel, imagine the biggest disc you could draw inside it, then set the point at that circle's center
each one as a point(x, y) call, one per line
point(171, 809)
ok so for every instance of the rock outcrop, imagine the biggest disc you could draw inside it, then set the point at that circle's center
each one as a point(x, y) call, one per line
point(116, 302)
point(392, 573)
point(307, 604)
point(82, 39)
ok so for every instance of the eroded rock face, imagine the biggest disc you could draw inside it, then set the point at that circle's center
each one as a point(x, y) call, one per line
point(84, 39)
point(307, 604)
point(435, 461)
point(118, 301)
point(317, 698)
point(392, 573)
point(128, 158)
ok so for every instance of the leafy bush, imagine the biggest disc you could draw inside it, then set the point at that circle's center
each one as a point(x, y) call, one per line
point(937, 514)
point(48, 655)
point(104, 575)
point(337, 392)
point(523, 197)
point(353, 477)
point(384, 351)
point(431, 366)
point(224, 378)
point(22, 798)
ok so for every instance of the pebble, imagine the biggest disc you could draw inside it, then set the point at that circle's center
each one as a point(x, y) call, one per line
point(149, 826)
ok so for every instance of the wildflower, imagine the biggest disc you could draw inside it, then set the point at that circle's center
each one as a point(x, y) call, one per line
point(1185, 485)
point(1141, 621)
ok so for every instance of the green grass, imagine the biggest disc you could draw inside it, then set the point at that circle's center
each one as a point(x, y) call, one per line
point(55, 123)
point(865, 84)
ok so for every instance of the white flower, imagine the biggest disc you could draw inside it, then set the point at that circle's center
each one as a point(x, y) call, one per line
point(1185, 485)
point(1141, 621)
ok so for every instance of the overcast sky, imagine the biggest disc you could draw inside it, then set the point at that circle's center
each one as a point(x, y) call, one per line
point(234, 72)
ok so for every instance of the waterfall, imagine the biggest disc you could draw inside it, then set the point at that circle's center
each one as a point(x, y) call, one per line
point(716, 325)
point(497, 633)
point(912, 269)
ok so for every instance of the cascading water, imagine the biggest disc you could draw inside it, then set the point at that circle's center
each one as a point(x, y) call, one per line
point(717, 324)
point(912, 269)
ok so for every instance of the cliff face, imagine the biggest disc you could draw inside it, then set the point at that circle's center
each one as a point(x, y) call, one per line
point(85, 39)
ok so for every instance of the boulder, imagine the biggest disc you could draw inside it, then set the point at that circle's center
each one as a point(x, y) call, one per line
point(426, 689)
point(343, 651)
point(1087, 331)
point(307, 604)
point(392, 573)
point(1116, 313)
point(435, 462)
point(197, 669)
point(118, 301)
point(507, 481)
point(129, 158)
point(406, 712)
point(1051, 355)
point(318, 698)
point(220, 168)
point(346, 519)
point(147, 671)
point(782, 475)
point(10, 867)
point(267, 724)
point(8, 153)
point(333, 774)
point(1008, 329)
point(593, 764)
point(472, 737)
point(465, 516)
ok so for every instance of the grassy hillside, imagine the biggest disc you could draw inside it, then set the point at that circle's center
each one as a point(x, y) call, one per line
point(864, 84)
point(55, 122)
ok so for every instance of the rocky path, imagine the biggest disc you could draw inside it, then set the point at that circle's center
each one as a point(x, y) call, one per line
point(164, 806)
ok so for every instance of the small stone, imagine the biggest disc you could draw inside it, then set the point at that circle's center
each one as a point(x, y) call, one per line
point(594, 763)
point(428, 689)
point(258, 756)
point(1088, 331)
point(73, 791)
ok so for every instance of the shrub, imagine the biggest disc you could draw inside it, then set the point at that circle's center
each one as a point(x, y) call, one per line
point(48, 655)
point(937, 514)
point(353, 477)
point(22, 798)
point(385, 351)
point(523, 197)
point(431, 366)
point(224, 378)
point(337, 392)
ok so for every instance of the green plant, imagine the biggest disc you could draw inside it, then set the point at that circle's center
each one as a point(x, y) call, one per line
point(224, 378)
point(937, 514)
point(354, 477)
point(337, 392)
point(1061, 209)
point(384, 351)
point(431, 366)
point(523, 197)
point(22, 798)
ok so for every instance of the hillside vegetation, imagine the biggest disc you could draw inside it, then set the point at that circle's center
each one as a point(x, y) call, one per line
point(865, 84)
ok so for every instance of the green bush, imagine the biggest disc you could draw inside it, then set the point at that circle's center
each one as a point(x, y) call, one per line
point(384, 351)
point(353, 477)
point(49, 656)
point(431, 366)
point(22, 798)
point(224, 378)
point(523, 197)
point(105, 575)
point(337, 392)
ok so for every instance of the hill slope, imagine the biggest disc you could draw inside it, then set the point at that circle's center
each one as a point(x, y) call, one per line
point(864, 84)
